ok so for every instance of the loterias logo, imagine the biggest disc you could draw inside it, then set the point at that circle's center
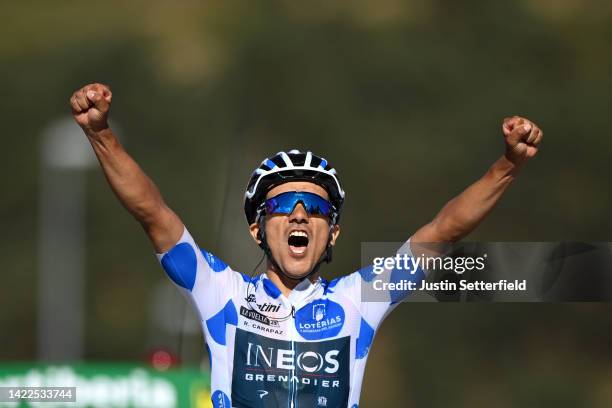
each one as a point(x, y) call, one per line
point(308, 372)
point(319, 320)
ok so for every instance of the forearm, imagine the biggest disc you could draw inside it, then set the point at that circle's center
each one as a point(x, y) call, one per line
point(135, 190)
point(463, 214)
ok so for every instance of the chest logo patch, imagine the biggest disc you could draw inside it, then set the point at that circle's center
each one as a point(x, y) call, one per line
point(319, 319)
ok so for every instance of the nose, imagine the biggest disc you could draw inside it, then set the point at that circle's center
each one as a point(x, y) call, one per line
point(299, 214)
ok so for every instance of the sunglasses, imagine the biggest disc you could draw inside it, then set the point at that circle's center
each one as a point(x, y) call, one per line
point(284, 203)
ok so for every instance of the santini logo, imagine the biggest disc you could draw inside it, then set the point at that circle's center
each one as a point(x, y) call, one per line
point(263, 307)
point(268, 307)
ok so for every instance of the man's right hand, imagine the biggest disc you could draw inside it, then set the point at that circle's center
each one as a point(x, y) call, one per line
point(90, 106)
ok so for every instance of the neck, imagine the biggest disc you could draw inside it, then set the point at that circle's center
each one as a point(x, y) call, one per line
point(285, 284)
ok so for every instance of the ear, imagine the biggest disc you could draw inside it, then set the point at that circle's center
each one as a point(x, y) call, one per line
point(335, 232)
point(254, 230)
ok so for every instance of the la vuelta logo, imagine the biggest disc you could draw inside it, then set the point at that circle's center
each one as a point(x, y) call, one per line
point(320, 319)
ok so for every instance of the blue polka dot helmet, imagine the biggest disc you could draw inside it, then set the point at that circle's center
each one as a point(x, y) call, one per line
point(284, 167)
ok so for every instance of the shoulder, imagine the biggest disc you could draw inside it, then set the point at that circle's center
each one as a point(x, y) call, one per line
point(348, 286)
point(351, 281)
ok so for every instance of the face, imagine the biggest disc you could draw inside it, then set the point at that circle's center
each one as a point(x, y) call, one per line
point(297, 240)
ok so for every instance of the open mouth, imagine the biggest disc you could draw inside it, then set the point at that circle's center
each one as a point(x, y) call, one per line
point(298, 241)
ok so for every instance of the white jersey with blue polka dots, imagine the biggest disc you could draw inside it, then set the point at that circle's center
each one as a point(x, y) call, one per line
point(308, 349)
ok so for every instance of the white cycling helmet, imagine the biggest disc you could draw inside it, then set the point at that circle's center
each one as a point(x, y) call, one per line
point(293, 165)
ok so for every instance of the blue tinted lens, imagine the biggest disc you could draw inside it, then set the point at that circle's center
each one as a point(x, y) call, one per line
point(285, 203)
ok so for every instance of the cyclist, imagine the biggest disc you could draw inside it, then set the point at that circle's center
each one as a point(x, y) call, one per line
point(288, 337)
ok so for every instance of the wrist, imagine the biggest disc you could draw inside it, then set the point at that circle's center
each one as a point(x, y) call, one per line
point(98, 133)
point(505, 169)
point(103, 137)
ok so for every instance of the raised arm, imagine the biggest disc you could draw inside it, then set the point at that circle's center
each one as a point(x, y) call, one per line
point(462, 214)
point(136, 191)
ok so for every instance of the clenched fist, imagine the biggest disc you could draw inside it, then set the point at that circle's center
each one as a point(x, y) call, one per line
point(90, 106)
point(522, 139)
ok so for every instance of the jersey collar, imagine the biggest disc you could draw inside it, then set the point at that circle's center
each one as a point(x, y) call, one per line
point(300, 295)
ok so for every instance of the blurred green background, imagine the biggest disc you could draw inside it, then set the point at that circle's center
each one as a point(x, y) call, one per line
point(405, 98)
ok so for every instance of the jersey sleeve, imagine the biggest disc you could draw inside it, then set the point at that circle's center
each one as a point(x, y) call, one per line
point(375, 300)
point(205, 279)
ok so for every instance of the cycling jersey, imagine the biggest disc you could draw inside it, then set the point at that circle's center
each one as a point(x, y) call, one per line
point(308, 349)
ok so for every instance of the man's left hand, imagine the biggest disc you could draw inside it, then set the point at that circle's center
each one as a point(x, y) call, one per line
point(522, 139)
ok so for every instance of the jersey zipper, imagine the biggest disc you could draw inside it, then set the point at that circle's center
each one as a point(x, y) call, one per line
point(292, 389)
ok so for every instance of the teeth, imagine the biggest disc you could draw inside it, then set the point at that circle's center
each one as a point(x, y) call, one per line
point(298, 234)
